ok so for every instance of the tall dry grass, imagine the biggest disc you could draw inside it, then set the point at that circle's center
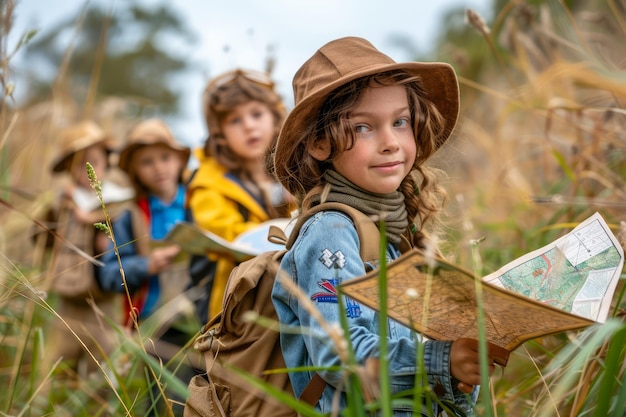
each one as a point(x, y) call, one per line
point(129, 381)
point(540, 146)
point(541, 142)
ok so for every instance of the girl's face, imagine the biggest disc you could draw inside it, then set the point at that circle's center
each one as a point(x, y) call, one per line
point(158, 168)
point(384, 150)
point(96, 155)
point(249, 130)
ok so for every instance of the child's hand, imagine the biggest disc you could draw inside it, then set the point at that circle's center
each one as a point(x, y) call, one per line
point(161, 258)
point(86, 217)
point(464, 363)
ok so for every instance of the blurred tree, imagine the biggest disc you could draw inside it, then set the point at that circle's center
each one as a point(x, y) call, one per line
point(457, 43)
point(132, 53)
point(461, 45)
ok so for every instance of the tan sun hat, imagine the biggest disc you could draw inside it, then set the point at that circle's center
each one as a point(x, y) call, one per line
point(344, 60)
point(150, 132)
point(78, 138)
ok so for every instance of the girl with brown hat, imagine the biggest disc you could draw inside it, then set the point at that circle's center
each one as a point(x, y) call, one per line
point(74, 280)
point(155, 275)
point(361, 131)
point(231, 191)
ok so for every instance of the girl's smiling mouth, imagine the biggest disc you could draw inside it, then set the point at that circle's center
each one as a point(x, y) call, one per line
point(388, 166)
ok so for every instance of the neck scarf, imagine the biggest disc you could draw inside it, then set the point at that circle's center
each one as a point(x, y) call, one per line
point(389, 207)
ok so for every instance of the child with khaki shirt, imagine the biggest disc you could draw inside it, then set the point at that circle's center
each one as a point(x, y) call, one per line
point(73, 279)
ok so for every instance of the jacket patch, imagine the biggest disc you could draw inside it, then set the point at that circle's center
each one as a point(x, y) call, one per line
point(330, 259)
point(329, 294)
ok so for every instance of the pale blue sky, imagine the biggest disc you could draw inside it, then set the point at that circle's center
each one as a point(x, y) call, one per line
point(294, 28)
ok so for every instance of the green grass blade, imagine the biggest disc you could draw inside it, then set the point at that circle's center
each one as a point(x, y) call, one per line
point(610, 376)
point(384, 381)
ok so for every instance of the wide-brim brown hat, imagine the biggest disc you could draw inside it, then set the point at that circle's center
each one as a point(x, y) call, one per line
point(150, 132)
point(77, 138)
point(344, 60)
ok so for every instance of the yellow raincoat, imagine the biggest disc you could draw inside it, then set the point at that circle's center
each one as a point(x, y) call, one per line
point(216, 203)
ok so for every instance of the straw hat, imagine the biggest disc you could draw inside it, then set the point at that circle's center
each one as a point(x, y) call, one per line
point(150, 132)
point(344, 60)
point(78, 138)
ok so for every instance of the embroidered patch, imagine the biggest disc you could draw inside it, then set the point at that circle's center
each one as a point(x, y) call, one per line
point(337, 261)
point(330, 259)
point(329, 295)
point(353, 309)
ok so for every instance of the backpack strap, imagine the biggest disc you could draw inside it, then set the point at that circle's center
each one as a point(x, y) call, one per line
point(313, 390)
point(366, 229)
point(369, 238)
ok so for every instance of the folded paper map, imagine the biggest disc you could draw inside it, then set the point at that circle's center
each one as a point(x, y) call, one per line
point(439, 299)
point(577, 273)
point(196, 241)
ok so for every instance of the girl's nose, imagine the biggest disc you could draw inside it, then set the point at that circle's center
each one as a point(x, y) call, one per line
point(388, 140)
point(248, 122)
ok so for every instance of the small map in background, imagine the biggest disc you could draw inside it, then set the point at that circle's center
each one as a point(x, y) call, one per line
point(196, 241)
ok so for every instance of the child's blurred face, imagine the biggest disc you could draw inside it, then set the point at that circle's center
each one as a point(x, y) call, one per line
point(158, 168)
point(96, 155)
point(249, 130)
point(385, 149)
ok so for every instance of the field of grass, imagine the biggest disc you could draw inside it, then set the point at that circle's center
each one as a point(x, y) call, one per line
point(540, 146)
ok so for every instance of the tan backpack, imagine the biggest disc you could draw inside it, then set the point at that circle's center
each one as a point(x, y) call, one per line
point(229, 341)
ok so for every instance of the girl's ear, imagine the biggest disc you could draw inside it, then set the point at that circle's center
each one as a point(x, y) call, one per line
point(319, 150)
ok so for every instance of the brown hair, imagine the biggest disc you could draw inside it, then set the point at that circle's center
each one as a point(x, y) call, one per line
point(221, 98)
point(423, 195)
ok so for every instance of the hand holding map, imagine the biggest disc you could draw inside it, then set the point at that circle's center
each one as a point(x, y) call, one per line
point(535, 295)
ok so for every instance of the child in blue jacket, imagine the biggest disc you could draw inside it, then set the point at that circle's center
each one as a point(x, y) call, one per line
point(156, 275)
point(361, 131)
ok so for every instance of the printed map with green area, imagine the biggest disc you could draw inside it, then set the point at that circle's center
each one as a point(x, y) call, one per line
point(577, 274)
point(552, 279)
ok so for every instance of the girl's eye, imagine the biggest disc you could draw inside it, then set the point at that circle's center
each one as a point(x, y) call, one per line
point(402, 123)
point(360, 129)
point(145, 162)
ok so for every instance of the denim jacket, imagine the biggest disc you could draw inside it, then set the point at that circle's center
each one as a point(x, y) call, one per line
point(326, 253)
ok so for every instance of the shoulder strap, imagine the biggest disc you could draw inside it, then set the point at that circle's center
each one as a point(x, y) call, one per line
point(369, 238)
point(369, 235)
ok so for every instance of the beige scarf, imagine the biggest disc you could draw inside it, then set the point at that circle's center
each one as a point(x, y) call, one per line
point(389, 207)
